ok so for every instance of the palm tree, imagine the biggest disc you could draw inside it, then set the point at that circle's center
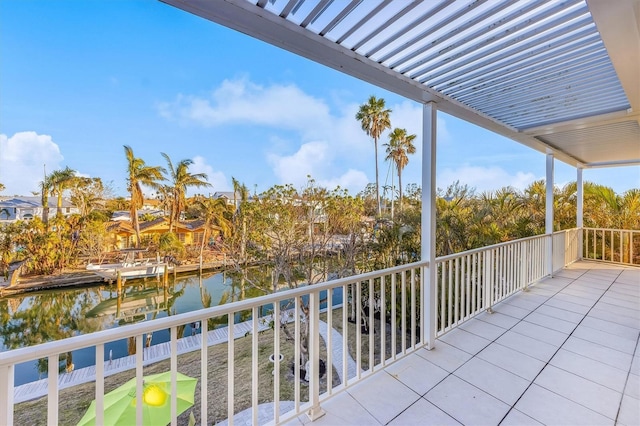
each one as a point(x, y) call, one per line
point(215, 214)
point(180, 179)
point(139, 174)
point(374, 119)
point(60, 180)
point(400, 144)
point(240, 190)
point(45, 188)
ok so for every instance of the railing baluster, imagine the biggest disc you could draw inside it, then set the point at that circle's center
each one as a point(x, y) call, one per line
point(6, 388)
point(442, 293)
point(230, 369)
point(456, 291)
point(296, 352)
point(276, 362)
point(204, 371)
point(372, 335)
point(450, 298)
point(383, 320)
point(394, 314)
point(139, 379)
point(174, 376)
point(315, 411)
point(345, 341)
point(100, 384)
point(329, 341)
point(403, 323)
point(359, 329)
point(413, 308)
point(255, 379)
point(52, 397)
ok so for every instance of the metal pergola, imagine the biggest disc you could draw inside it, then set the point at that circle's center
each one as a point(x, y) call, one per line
point(559, 76)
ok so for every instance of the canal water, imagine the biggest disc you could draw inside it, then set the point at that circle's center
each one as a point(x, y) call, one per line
point(35, 318)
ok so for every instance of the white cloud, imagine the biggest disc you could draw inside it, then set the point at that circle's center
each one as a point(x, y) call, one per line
point(22, 158)
point(217, 180)
point(484, 178)
point(353, 180)
point(244, 102)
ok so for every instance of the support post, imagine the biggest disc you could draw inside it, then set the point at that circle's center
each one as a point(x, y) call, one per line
point(549, 215)
point(119, 282)
point(428, 237)
point(579, 210)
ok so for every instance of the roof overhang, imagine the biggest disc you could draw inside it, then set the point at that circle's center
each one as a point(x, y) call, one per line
point(556, 76)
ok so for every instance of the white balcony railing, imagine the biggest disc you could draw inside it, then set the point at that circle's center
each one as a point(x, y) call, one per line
point(612, 245)
point(356, 326)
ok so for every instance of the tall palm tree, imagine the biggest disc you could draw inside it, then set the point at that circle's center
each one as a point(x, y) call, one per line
point(240, 190)
point(216, 214)
point(60, 180)
point(139, 174)
point(45, 189)
point(400, 144)
point(374, 119)
point(180, 179)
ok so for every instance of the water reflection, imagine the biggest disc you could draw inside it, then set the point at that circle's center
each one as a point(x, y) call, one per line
point(57, 314)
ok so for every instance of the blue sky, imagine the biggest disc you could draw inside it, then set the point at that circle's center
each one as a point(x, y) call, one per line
point(78, 80)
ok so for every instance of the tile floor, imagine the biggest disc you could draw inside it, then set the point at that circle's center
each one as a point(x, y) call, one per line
point(566, 352)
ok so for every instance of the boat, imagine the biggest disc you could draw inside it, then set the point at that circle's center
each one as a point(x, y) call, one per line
point(130, 267)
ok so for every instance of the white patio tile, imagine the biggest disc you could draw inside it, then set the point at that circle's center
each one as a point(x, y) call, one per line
point(578, 389)
point(584, 292)
point(498, 319)
point(512, 360)
point(552, 323)
point(609, 315)
point(570, 273)
point(342, 410)
point(624, 290)
point(611, 328)
point(521, 302)
point(538, 332)
point(620, 310)
point(510, 310)
point(483, 329)
point(518, 418)
point(417, 373)
point(590, 369)
point(605, 339)
point(552, 409)
point(500, 383)
point(465, 341)
point(633, 386)
point(384, 405)
point(629, 302)
point(527, 345)
point(635, 365)
point(598, 352)
point(629, 412)
point(445, 356)
point(421, 413)
point(567, 306)
point(466, 403)
point(574, 299)
point(558, 313)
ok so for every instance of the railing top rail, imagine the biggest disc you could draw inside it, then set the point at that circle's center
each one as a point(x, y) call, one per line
point(565, 230)
point(611, 229)
point(87, 340)
point(491, 247)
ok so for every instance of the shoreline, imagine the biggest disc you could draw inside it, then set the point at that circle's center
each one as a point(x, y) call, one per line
point(82, 277)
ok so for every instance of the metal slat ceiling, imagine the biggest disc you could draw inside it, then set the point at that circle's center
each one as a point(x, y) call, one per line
point(543, 72)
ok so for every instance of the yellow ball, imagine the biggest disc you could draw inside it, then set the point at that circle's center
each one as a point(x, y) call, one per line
point(154, 395)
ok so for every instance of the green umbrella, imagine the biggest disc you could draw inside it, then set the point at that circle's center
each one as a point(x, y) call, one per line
point(120, 403)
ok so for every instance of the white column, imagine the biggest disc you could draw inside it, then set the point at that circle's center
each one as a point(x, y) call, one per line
point(548, 223)
point(579, 210)
point(428, 248)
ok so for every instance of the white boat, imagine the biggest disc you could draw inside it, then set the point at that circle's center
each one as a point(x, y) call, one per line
point(130, 267)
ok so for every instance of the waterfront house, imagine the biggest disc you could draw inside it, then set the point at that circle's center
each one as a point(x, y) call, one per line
point(29, 207)
point(542, 330)
point(123, 235)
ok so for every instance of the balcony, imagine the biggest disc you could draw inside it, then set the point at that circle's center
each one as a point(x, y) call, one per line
point(514, 345)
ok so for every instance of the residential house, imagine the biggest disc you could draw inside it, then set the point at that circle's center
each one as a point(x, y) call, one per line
point(26, 208)
point(123, 235)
